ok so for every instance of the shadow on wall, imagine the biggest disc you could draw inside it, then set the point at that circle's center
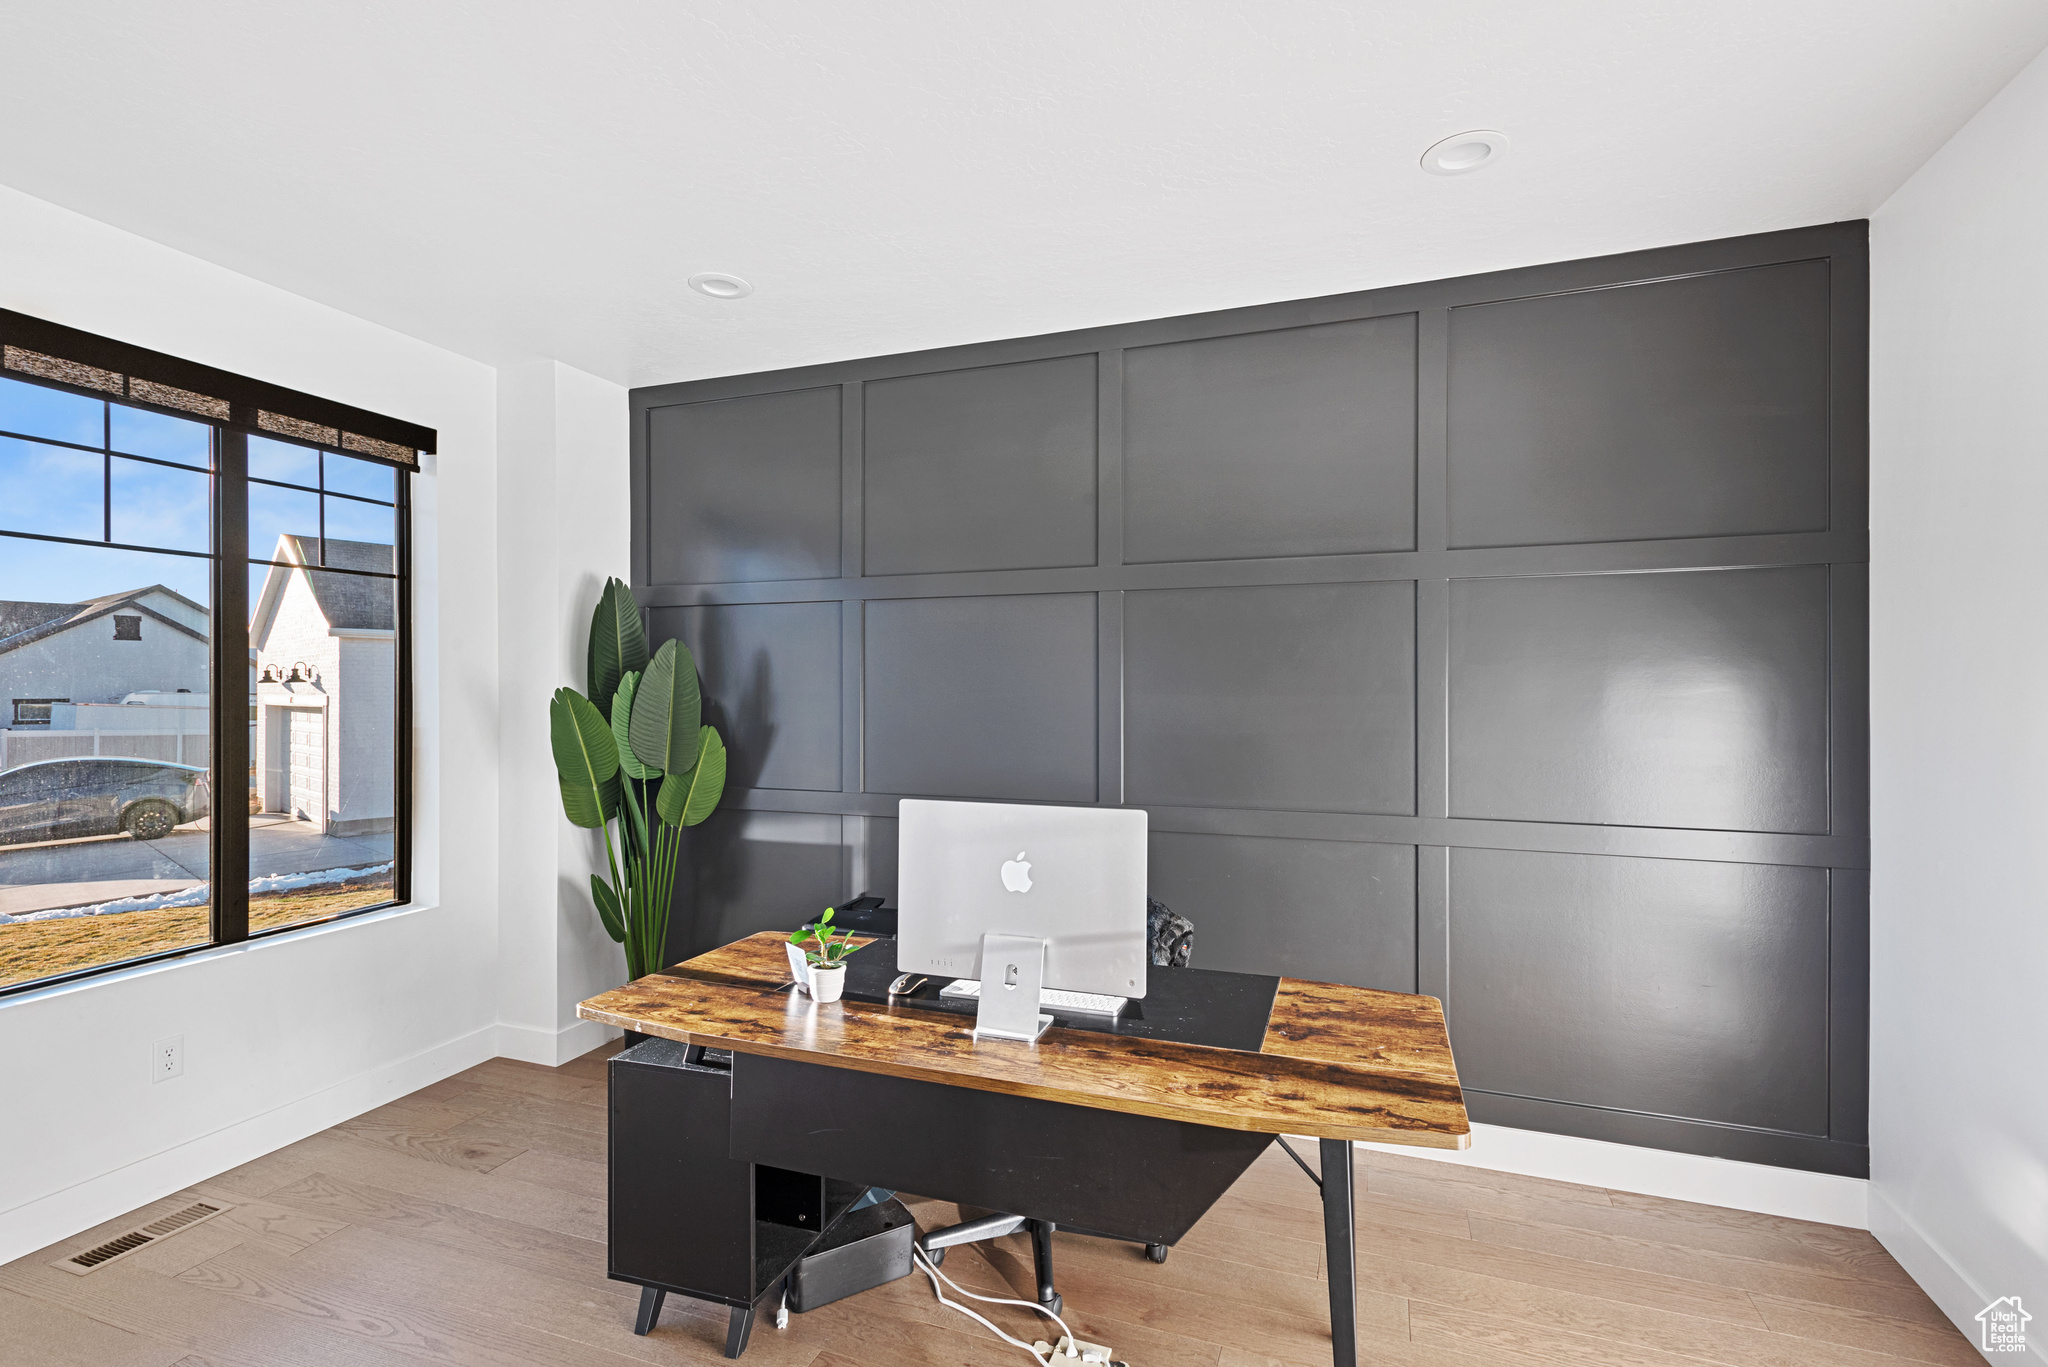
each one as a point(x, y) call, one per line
point(754, 871)
point(742, 713)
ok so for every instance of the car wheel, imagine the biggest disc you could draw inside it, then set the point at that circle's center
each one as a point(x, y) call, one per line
point(149, 820)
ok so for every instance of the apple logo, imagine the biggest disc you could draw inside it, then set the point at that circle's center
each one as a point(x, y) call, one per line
point(1017, 874)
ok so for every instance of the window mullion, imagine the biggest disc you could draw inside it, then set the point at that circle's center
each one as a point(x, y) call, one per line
point(230, 711)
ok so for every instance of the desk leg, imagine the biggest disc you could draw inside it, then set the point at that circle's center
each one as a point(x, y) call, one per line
point(1041, 1259)
point(737, 1327)
point(651, 1298)
point(1341, 1251)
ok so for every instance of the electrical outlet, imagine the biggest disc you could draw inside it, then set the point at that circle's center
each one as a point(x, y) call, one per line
point(167, 1059)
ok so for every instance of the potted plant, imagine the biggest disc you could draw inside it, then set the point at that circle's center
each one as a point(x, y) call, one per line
point(825, 950)
point(635, 752)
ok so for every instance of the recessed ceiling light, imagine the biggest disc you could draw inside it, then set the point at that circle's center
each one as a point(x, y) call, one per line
point(1462, 152)
point(719, 285)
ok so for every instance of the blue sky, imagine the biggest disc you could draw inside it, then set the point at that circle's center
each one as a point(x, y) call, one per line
point(52, 572)
point(57, 491)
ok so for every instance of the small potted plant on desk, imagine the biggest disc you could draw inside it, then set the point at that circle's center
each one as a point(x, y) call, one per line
point(825, 950)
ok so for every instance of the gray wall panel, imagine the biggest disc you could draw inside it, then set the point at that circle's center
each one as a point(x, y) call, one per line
point(1695, 699)
point(984, 469)
point(1681, 989)
point(743, 872)
point(982, 697)
point(1554, 572)
point(1694, 407)
point(1297, 696)
point(1296, 442)
point(880, 836)
point(745, 488)
point(770, 675)
point(1350, 906)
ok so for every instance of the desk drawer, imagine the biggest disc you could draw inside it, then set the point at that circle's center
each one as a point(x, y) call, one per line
point(680, 1213)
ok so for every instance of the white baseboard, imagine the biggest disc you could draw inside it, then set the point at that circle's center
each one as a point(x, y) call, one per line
point(553, 1048)
point(61, 1214)
point(1940, 1276)
point(1798, 1195)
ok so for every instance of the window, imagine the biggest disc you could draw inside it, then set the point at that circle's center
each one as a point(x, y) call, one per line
point(263, 535)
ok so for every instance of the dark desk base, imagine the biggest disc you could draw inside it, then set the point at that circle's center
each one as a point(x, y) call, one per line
point(1125, 1176)
point(715, 1186)
point(1134, 1177)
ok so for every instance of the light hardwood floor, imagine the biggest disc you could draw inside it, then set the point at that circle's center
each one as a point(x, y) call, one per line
point(464, 1225)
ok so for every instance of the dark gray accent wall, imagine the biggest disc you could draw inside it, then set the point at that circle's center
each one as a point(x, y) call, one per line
point(1282, 442)
point(990, 468)
point(1499, 638)
point(1287, 697)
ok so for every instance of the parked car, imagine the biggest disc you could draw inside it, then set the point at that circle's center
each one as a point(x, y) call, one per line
point(60, 799)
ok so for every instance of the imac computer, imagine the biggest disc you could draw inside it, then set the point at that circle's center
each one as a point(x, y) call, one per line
point(1021, 903)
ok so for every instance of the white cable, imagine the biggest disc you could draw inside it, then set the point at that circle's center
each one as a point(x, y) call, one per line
point(930, 1270)
point(996, 1300)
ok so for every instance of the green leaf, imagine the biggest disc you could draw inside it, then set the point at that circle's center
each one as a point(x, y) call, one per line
point(622, 712)
point(663, 727)
point(686, 799)
point(608, 908)
point(618, 644)
point(586, 759)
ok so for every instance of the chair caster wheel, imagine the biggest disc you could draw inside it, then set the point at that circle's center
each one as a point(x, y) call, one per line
point(1057, 1304)
point(936, 1257)
point(1156, 1252)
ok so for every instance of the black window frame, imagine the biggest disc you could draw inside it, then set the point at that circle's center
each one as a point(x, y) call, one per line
point(231, 711)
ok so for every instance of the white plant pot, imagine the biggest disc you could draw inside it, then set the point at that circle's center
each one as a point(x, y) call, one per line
point(799, 967)
point(827, 981)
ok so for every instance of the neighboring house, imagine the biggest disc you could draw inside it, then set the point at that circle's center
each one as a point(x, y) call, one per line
point(326, 656)
point(150, 640)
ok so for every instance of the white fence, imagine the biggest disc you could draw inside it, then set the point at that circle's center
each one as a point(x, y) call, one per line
point(177, 747)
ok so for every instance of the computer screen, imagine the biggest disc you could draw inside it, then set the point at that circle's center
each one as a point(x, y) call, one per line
point(1071, 876)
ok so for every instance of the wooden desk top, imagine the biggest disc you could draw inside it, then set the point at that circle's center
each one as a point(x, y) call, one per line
point(1337, 1062)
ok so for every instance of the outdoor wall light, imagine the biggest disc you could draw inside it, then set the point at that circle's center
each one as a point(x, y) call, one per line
point(301, 673)
point(270, 675)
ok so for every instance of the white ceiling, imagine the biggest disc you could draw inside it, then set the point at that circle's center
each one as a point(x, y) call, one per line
point(512, 180)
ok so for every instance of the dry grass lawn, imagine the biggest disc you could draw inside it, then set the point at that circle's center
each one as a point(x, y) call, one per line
point(43, 949)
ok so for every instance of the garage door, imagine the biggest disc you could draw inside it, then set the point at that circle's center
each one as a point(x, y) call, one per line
point(307, 748)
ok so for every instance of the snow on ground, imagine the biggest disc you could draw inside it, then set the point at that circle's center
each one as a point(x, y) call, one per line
point(198, 894)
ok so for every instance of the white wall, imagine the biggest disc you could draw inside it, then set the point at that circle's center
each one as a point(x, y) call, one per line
point(564, 520)
point(287, 1037)
point(1959, 713)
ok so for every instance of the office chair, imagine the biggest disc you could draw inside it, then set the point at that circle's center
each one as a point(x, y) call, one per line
point(1170, 941)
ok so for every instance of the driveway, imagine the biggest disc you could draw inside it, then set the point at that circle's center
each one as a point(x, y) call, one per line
point(69, 873)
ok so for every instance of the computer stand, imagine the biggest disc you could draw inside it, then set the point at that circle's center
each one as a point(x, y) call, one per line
point(1012, 971)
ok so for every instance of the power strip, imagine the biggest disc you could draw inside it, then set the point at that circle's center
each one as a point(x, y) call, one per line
point(1080, 1349)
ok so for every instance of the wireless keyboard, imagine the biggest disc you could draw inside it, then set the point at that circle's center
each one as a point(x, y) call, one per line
point(1049, 998)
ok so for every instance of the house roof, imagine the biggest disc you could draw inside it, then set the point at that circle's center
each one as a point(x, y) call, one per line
point(349, 602)
point(16, 618)
point(25, 623)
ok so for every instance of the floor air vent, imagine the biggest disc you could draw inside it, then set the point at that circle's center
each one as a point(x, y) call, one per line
point(122, 1245)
